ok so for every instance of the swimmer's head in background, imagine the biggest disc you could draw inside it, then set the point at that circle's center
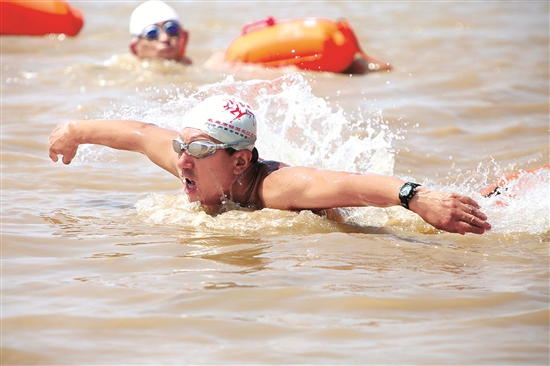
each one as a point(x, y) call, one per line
point(225, 118)
point(157, 32)
point(151, 12)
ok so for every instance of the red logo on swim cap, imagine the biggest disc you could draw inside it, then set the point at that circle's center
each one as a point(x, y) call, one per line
point(236, 109)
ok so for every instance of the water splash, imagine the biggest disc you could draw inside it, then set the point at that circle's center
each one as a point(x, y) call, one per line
point(176, 210)
point(294, 125)
point(523, 205)
point(299, 128)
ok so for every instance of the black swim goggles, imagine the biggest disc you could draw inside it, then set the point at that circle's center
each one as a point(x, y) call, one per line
point(200, 148)
point(152, 32)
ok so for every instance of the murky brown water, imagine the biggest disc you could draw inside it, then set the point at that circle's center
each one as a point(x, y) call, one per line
point(104, 261)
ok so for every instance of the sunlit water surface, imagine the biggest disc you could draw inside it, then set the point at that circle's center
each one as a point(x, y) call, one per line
point(105, 261)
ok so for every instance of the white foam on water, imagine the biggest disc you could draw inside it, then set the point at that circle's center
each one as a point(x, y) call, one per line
point(299, 128)
point(523, 206)
point(176, 210)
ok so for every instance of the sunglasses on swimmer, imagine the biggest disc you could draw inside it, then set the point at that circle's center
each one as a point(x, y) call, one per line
point(200, 148)
point(152, 31)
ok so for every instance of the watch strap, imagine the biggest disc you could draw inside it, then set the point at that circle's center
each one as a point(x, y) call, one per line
point(407, 192)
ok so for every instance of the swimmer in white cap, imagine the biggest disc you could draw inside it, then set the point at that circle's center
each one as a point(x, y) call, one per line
point(215, 158)
point(157, 32)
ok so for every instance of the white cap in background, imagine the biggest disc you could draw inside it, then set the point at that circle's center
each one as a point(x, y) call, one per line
point(151, 12)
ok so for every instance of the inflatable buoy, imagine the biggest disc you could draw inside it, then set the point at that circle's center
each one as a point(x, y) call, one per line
point(309, 44)
point(35, 18)
point(499, 187)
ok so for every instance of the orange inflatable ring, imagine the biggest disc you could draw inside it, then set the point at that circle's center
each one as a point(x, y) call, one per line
point(309, 44)
point(499, 186)
point(34, 18)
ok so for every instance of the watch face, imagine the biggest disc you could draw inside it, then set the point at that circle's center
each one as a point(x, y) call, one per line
point(405, 190)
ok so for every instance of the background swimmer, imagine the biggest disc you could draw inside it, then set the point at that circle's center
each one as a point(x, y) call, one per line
point(157, 32)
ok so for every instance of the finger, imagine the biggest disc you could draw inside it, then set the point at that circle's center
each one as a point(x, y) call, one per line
point(475, 221)
point(472, 208)
point(472, 225)
point(53, 156)
point(466, 228)
point(469, 201)
point(67, 158)
point(477, 213)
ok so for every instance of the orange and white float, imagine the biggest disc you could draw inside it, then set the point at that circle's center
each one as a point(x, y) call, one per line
point(34, 18)
point(309, 44)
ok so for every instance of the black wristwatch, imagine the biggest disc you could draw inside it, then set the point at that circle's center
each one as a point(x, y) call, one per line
point(406, 193)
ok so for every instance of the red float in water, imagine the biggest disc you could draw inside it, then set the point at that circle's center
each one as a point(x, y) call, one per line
point(36, 18)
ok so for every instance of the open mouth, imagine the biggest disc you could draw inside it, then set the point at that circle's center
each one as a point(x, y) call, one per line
point(189, 184)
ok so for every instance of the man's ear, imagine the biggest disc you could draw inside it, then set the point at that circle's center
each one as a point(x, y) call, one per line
point(133, 45)
point(242, 160)
point(183, 43)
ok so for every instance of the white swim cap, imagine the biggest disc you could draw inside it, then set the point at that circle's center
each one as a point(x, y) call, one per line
point(226, 118)
point(151, 12)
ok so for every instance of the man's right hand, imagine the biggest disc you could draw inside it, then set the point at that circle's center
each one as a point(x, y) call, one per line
point(61, 143)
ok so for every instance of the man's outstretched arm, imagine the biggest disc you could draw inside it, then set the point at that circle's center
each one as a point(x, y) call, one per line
point(153, 141)
point(298, 188)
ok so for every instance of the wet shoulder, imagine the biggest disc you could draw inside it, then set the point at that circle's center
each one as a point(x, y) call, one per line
point(270, 166)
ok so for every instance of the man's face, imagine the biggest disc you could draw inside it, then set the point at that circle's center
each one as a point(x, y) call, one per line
point(209, 179)
point(161, 40)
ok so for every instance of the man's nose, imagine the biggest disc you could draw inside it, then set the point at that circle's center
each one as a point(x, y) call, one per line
point(163, 36)
point(185, 161)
